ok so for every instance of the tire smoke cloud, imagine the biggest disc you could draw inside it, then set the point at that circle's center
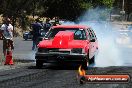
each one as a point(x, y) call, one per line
point(109, 53)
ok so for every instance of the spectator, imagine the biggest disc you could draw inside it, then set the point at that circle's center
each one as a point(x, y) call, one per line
point(56, 21)
point(36, 33)
point(7, 33)
point(47, 25)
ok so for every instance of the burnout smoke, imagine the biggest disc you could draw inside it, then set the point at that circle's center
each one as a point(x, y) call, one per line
point(109, 53)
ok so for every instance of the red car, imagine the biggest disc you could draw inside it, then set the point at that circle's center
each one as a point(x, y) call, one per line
point(67, 43)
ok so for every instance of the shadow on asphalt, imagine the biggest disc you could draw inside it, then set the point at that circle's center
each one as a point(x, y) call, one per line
point(61, 67)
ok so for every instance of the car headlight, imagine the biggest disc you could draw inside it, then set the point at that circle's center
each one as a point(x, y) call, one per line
point(77, 50)
point(42, 50)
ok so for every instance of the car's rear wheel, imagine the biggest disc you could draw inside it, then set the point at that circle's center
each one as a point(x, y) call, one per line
point(39, 64)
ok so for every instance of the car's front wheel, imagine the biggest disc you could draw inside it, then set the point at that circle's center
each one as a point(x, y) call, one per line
point(86, 62)
point(92, 60)
point(39, 64)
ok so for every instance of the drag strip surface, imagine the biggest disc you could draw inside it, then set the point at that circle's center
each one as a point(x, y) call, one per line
point(53, 76)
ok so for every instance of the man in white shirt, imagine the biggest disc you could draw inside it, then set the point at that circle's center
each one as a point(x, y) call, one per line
point(7, 33)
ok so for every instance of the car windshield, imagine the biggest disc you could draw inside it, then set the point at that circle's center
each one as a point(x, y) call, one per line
point(79, 34)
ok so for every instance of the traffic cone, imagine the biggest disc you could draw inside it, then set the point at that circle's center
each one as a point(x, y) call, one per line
point(8, 57)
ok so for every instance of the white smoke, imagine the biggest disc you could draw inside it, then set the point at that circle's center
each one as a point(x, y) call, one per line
point(97, 14)
point(68, 23)
point(109, 53)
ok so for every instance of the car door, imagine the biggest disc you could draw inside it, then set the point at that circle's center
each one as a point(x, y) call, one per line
point(96, 41)
point(92, 45)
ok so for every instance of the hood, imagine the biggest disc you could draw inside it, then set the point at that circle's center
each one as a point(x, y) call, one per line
point(63, 39)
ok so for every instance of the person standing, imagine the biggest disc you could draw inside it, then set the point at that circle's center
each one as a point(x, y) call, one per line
point(36, 33)
point(56, 21)
point(47, 25)
point(7, 33)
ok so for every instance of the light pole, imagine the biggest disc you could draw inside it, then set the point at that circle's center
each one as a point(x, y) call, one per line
point(122, 12)
point(123, 5)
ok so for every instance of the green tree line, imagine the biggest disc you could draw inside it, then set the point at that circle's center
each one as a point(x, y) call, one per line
point(66, 9)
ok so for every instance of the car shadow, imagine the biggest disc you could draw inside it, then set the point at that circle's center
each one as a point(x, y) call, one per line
point(61, 66)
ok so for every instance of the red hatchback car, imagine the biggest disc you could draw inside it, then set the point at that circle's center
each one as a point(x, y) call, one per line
point(67, 43)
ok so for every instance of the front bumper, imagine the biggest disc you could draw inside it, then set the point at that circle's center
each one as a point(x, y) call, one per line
point(60, 57)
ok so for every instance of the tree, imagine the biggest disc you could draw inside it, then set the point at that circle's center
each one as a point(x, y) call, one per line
point(67, 9)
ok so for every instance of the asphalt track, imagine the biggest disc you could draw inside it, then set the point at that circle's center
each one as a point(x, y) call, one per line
point(56, 76)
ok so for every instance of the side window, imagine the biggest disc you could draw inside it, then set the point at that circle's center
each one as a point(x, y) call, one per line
point(90, 35)
point(93, 37)
point(94, 34)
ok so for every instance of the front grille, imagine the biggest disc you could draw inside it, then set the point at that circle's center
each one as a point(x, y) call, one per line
point(66, 52)
point(54, 50)
point(76, 50)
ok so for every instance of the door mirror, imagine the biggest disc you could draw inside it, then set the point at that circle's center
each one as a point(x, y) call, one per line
point(92, 40)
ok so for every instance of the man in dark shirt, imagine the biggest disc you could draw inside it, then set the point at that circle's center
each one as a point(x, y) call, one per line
point(36, 33)
point(47, 25)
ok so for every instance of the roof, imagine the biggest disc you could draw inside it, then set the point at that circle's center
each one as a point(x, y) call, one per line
point(71, 26)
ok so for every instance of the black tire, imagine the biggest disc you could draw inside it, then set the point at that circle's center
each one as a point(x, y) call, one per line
point(92, 60)
point(39, 64)
point(86, 62)
point(85, 65)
